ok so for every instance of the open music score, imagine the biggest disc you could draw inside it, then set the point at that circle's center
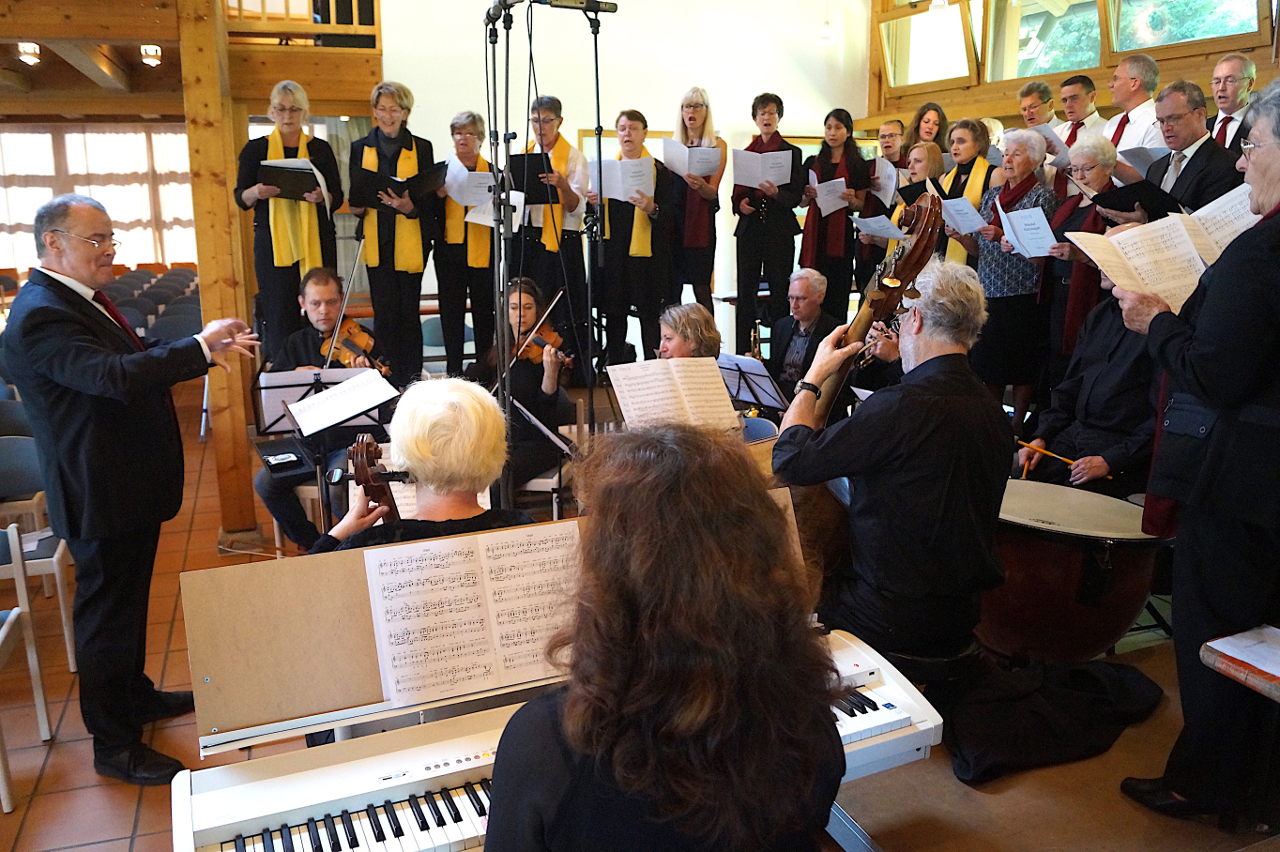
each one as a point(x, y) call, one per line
point(677, 390)
point(455, 616)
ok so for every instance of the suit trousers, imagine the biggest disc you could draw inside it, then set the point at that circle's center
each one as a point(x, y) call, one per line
point(551, 271)
point(113, 583)
point(767, 257)
point(1225, 580)
point(456, 282)
point(396, 324)
point(277, 300)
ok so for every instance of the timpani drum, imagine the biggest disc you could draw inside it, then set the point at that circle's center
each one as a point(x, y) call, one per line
point(1077, 569)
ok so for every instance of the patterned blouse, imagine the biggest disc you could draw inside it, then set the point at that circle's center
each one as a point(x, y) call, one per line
point(1010, 274)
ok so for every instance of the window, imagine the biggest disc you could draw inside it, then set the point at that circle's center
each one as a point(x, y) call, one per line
point(1142, 24)
point(926, 47)
point(1031, 39)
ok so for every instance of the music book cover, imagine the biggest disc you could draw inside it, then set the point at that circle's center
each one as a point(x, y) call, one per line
point(1251, 657)
point(1153, 199)
point(912, 191)
point(365, 185)
point(294, 184)
point(524, 169)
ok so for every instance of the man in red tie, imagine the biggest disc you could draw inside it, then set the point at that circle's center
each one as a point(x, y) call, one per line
point(1232, 82)
point(111, 455)
point(1078, 95)
point(1132, 85)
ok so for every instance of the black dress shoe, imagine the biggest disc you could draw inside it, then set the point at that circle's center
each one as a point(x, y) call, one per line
point(166, 705)
point(137, 764)
point(1156, 794)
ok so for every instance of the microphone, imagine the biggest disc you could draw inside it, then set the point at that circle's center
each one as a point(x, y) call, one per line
point(497, 10)
point(584, 5)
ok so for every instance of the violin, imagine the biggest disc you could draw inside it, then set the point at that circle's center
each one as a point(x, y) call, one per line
point(350, 343)
point(536, 343)
point(369, 474)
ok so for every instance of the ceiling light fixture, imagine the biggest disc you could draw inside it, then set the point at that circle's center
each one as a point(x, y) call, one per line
point(151, 54)
point(29, 52)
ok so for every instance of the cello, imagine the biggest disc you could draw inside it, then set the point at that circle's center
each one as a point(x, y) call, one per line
point(366, 469)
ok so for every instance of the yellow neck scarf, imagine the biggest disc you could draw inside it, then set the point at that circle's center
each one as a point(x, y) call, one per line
point(895, 218)
point(408, 234)
point(553, 214)
point(295, 225)
point(641, 225)
point(972, 191)
point(457, 228)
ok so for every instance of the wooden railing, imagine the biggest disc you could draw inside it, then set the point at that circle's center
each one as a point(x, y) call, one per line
point(302, 19)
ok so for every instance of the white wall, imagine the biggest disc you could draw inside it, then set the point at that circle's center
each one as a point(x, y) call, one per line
point(651, 52)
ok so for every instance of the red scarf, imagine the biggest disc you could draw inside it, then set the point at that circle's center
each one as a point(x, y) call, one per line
point(751, 192)
point(1011, 195)
point(697, 218)
point(1082, 294)
point(833, 224)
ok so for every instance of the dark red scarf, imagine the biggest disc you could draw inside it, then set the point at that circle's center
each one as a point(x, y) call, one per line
point(833, 224)
point(1011, 195)
point(697, 218)
point(759, 147)
point(1083, 292)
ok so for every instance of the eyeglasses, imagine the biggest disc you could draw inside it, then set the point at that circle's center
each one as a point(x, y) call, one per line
point(693, 106)
point(465, 134)
point(1248, 146)
point(1170, 120)
point(286, 110)
point(115, 244)
point(1032, 107)
point(388, 110)
point(885, 137)
point(1081, 171)
point(1228, 81)
point(542, 121)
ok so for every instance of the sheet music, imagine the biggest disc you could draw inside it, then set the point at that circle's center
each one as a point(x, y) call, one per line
point(470, 189)
point(752, 169)
point(1259, 647)
point(705, 396)
point(483, 214)
point(1058, 155)
point(828, 196)
point(1142, 158)
point(457, 615)
point(1028, 230)
point(1157, 257)
point(878, 226)
point(341, 402)
point(885, 183)
point(624, 178)
point(684, 160)
point(304, 165)
point(960, 214)
point(678, 390)
point(1225, 218)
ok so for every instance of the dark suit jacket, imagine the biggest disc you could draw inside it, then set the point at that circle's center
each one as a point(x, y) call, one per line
point(780, 339)
point(101, 410)
point(1221, 352)
point(1242, 132)
point(426, 210)
point(774, 216)
point(1209, 174)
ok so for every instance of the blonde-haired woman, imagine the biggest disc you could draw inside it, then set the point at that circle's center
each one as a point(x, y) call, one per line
point(451, 437)
point(397, 229)
point(696, 200)
point(688, 331)
point(289, 236)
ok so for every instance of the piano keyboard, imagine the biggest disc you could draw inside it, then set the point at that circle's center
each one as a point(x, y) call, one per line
point(431, 781)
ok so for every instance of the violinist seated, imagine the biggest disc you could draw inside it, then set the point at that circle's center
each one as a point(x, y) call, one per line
point(320, 297)
point(927, 459)
point(449, 435)
point(1102, 415)
point(536, 373)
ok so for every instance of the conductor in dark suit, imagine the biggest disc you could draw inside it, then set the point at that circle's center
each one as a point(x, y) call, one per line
point(795, 338)
point(111, 456)
point(1217, 457)
point(1197, 169)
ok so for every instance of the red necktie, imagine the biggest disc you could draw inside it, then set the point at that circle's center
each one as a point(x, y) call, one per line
point(1120, 126)
point(1221, 136)
point(1060, 179)
point(114, 312)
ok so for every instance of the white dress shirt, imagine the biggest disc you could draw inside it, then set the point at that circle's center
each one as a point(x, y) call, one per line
point(579, 182)
point(1141, 131)
point(1093, 123)
point(1232, 129)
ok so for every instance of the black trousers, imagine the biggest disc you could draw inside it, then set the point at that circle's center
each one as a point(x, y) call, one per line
point(396, 324)
point(1225, 580)
point(555, 270)
point(113, 582)
point(277, 299)
point(628, 283)
point(693, 266)
point(457, 282)
point(770, 258)
point(839, 273)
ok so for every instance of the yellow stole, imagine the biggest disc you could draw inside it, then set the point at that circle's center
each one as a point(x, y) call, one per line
point(408, 234)
point(973, 192)
point(295, 225)
point(897, 215)
point(553, 215)
point(456, 228)
point(641, 225)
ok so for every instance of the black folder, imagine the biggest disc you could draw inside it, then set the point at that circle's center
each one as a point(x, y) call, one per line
point(524, 169)
point(1153, 199)
point(912, 191)
point(293, 183)
point(365, 185)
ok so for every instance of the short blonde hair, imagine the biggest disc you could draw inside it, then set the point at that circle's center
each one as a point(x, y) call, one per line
point(467, 118)
point(293, 90)
point(399, 91)
point(696, 94)
point(450, 435)
point(932, 157)
point(696, 327)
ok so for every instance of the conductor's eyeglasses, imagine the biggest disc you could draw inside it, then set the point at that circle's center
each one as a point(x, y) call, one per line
point(96, 243)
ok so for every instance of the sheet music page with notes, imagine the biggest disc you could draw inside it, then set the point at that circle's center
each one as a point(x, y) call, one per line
point(453, 616)
point(705, 396)
point(1159, 257)
point(676, 390)
point(1222, 220)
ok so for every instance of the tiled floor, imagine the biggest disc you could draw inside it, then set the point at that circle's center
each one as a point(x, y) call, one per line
point(61, 802)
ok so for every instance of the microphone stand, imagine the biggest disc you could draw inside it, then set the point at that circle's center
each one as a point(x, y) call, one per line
point(595, 229)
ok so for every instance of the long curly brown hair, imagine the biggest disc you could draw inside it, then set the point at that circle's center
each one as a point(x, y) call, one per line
point(694, 674)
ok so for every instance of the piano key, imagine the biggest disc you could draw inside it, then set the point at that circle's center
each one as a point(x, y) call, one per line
point(433, 804)
point(414, 837)
point(447, 798)
point(450, 831)
point(331, 835)
point(364, 833)
point(486, 784)
point(371, 811)
point(313, 836)
point(353, 842)
point(474, 796)
point(268, 843)
point(393, 820)
point(418, 816)
point(239, 843)
point(285, 835)
point(470, 823)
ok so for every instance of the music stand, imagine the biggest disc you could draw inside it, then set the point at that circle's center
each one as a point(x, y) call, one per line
point(275, 390)
point(749, 381)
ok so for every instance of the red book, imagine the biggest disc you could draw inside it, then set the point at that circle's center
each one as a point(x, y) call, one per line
point(1251, 657)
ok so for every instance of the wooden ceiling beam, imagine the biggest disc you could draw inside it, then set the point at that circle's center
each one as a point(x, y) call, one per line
point(100, 63)
point(90, 102)
point(14, 80)
point(116, 22)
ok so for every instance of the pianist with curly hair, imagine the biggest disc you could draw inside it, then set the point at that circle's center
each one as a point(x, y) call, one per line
point(697, 709)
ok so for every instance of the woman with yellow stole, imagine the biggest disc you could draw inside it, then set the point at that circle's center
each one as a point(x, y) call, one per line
point(637, 250)
point(289, 236)
point(397, 232)
point(464, 256)
point(970, 178)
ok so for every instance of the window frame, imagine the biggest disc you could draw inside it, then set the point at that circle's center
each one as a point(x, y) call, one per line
point(922, 7)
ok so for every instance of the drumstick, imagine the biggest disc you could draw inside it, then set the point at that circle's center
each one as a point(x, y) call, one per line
point(1026, 465)
point(1043, 451)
